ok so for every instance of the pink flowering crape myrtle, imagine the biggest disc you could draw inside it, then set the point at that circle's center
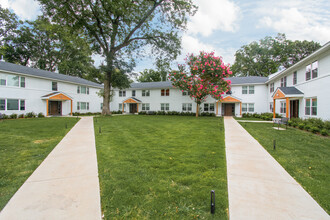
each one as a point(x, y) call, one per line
point(203, 76)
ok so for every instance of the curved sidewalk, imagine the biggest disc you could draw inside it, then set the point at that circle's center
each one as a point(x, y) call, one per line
point(65, 185)
point(258, 186)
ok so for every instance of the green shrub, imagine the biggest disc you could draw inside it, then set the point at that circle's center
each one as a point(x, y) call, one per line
point(13, 116)
point(327, 125)
point(307, 127)
point(21, 116)
point(315, 130)
point(301, 126)
point(41, 115)
point(4, 116)
point(30, 115)
point(324, 132)
point(294, 124)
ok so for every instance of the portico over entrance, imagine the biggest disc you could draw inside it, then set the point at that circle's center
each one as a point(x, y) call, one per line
point(133, 104)
point(228, 105)
point(291, 96)
point(54, 103)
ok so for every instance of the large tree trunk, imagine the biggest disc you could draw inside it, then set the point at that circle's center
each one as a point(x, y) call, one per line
point(107, 85)
point(197, 110)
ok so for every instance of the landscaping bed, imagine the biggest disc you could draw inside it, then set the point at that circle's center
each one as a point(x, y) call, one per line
point(161, 167)
point(305, 156)
point(24, 144)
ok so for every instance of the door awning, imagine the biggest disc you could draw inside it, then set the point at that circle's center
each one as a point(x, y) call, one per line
point(230, 99)
point(287, 92)
point(132, 100)
point(56, 96)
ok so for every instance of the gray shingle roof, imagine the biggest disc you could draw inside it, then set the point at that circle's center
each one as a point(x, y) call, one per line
point(168, 84)
point(290, 91)
point(247, 80)
point(45, 74)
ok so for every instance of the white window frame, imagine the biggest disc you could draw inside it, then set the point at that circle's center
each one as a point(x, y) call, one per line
point(308, 73)
point(283, 81)
point(314, 72)
point(244, 90)
point(186, 107)
point(164, 106)
point(145, 106)
point(185, 93)
point(86, 106)
point(283, 108)
point(294, 78)
point(271, 87)
point(145, 92)
point(122, 93)
point(248, 107)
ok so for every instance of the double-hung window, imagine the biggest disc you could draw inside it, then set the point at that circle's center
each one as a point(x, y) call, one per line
point(294, 82)
point(271, 108)
point(208, 107)
point(186, 107)
point(283, 81)
point(251, 107)
point(121, 107)
point(247, 107)
point(133, 93)
point(308, 72)
point(184, 93)
point(165, 92)
point(3, 79)
point(145, 92)
point(283, 107)
point(122, 93)
point(247, 89)
point(311, 106)
point(251, 89)
point(145, 106)
point(271, 87)
point(165, 106)
point(314, 69)
point(54, 86)
point(82, 90)
point(244, 90)
point(2, 104)
point(82, 105)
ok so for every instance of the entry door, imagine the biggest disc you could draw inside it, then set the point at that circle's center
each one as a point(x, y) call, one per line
point(132, 108)
point(229, 109)
point(55, 108)
point(294, 109)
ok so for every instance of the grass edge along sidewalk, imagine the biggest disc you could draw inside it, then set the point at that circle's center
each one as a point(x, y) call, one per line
point(305, 156)
point(161, 167)
point(25, 143)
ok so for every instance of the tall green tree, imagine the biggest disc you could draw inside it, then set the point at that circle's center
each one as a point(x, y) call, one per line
point(269, 54)
point(150, 75)
point(121, 29)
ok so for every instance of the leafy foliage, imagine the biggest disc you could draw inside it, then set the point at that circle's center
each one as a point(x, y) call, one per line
point(205, 77)
point(119, 30)
point(269, 54)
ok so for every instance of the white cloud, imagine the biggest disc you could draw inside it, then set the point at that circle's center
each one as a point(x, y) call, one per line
point(193, 45)
point(296, 20)
point(214, 15)
point(25, 9)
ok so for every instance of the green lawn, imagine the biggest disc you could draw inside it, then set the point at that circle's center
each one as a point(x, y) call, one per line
point(24, 145)
point(305, 156)
point(161, 167)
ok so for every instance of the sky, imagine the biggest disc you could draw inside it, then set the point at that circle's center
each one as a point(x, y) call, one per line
point(223, 26)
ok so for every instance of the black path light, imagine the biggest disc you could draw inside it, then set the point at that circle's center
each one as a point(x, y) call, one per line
point(212, 202)
point(100, 131)
point(66, 125)
point(274, 144)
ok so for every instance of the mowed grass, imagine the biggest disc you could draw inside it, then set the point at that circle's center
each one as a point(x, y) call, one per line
point(161, 167)
point(24, 144)
point(304, 155)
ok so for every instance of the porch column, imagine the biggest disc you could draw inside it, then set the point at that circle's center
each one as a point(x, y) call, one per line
point(71, 107)
point(273, 108)
point(123, 108)
point(137, 107)
point(47, 107)
point(287, 107)
point(240, 108)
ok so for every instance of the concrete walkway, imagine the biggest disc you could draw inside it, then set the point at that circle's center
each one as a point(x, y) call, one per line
point(65, 185)
point(258, 187)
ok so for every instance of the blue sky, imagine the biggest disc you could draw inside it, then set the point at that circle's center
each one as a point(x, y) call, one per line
point(224, 26)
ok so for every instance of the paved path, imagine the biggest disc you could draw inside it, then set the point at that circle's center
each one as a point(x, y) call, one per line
point(65, 185)
point(258, 187)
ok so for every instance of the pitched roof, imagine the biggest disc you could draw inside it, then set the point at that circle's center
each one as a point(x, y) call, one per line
point(248, 80)
point(168, 84)
point(290, 90)
point(45, 74)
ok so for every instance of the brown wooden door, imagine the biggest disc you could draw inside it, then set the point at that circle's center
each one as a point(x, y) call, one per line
point(132, 108)
point(294, 109)
point(228, 110)
point(55, 108)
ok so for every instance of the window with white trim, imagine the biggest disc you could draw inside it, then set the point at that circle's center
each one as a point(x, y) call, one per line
point(294, 81)
point(185, 93)
point(208, 107)
point(22, 105)
point(82, 90)
point(12, 80)
point(82, 105)
point(283, 107)
point(271, 87)
point(283, 81)
point(308, 72)
point(3, 79)
point(165, 92)
point(247, 89)
point(186, 107)
point(101, 106)
point(165, 106)
point(122, 93)
point(3, 104)
point(12, 104)
point(54, 86)
point(271, 108)
point(315, 66)
point(145, 92)
point(247, 107)
point(311, 106)
point(145, 106)
point(121, 107)
point(133, 93)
